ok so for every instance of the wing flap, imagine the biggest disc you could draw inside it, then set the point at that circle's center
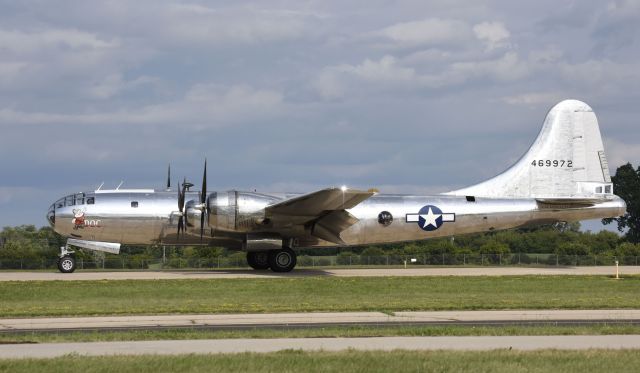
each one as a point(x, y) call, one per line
point(329, 226)
point(323, 212)
point(314, 204)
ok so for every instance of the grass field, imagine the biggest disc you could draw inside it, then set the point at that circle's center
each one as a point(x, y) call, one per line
point(333, 331)
point(387, 294)
point(349, 361)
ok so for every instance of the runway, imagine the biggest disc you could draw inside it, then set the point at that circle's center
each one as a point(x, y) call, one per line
point(216, 346)
point(364, 272)
point(319, 319)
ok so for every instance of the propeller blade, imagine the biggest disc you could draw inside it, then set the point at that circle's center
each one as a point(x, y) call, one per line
point(169, 177)
point(180, 226)
point(203, 199)
point(184, 194)
point(181, 221)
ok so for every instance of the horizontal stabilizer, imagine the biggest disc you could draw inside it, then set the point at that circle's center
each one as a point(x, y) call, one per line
point(567, 203)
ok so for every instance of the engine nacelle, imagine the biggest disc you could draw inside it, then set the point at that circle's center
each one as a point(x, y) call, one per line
point(235, 211)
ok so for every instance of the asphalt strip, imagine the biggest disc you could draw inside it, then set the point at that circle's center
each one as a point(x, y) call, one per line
point(361, 272)
point(218, 346)
point(310, 319)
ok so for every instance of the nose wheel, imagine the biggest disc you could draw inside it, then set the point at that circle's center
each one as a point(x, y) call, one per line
point(67, 264)
point(66, 260)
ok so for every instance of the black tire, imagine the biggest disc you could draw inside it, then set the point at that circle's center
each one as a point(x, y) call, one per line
point(67, 264)
point(283, 260)
point(258, 260)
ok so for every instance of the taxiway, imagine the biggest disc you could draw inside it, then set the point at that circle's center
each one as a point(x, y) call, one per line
point(318, 319)
point(214, 346)
point(364, 272)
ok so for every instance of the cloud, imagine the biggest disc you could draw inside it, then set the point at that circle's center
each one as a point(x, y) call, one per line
point(620, 152)
point(427, 32)
point(534, 98)
point(189, 24)
point(493, 34)
point(391, 73)
point(203, 105)
point(22, 43)
point(596, 73)
point(114, 84)
point(288, 86)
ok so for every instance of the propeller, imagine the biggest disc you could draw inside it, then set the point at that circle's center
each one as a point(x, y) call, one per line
point(183, 216)
point(204, 203)
point(203, 206)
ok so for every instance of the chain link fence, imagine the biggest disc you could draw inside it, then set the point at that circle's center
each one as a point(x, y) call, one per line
point(306, 261)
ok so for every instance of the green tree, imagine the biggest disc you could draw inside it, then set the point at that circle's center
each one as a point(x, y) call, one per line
point(626, 184)
point(628, 249)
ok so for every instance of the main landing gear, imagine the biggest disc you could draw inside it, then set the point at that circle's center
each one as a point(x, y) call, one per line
point(66, 260)
point(282, 260)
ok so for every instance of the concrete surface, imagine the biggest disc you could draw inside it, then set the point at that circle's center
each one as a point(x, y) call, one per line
point(315, 319)
point(214, 346)
point(367, 272)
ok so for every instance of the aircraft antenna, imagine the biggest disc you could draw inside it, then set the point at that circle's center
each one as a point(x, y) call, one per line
point(100, 187)
point(119, 185)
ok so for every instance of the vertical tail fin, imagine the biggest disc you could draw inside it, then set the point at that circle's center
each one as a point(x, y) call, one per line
point(567, 160)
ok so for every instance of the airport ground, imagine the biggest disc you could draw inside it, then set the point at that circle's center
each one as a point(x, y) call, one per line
point(316, 293)
point(386, 293)
point(379, 271)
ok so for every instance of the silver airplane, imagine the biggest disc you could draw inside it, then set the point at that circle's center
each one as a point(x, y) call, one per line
point(564, 176)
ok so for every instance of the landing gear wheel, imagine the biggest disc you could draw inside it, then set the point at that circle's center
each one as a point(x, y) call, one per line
point(282, 260)
point(258, 260)
point(67, 264)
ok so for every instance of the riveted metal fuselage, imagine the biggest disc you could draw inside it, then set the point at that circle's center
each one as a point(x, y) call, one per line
point(151, 217)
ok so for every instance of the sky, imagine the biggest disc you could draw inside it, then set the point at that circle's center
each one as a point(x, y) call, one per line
point(407, 97)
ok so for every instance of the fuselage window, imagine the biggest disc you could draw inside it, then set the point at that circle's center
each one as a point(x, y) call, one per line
point(90, 201)
point(599, 190)
point(607, 189)
point(134, 204)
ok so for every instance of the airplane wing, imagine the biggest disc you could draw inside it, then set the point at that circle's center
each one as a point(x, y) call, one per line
point(324, 211)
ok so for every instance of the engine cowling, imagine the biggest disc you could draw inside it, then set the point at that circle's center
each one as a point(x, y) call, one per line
point(234, 211)
point(222, 211)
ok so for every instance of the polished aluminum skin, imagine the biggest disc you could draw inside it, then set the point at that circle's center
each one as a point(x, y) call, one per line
point(239, 219)
point(563, 177)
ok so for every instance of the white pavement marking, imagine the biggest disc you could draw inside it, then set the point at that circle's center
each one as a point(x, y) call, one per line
point(367, 272)
point(318, 318)
point(215, 346)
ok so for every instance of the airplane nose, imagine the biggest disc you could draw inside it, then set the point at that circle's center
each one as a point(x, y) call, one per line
point(51, 216)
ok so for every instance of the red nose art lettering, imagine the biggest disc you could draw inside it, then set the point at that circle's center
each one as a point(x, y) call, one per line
point(92, 223)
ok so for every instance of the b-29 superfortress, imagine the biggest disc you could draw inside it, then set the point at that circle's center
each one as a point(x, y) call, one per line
point(564, 176)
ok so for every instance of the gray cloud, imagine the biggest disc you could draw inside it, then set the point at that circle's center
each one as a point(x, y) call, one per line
point(420, 97)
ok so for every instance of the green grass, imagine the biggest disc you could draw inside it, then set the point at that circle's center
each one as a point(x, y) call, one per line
point(347, 361)
point(333, 331)
point(307, 294)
